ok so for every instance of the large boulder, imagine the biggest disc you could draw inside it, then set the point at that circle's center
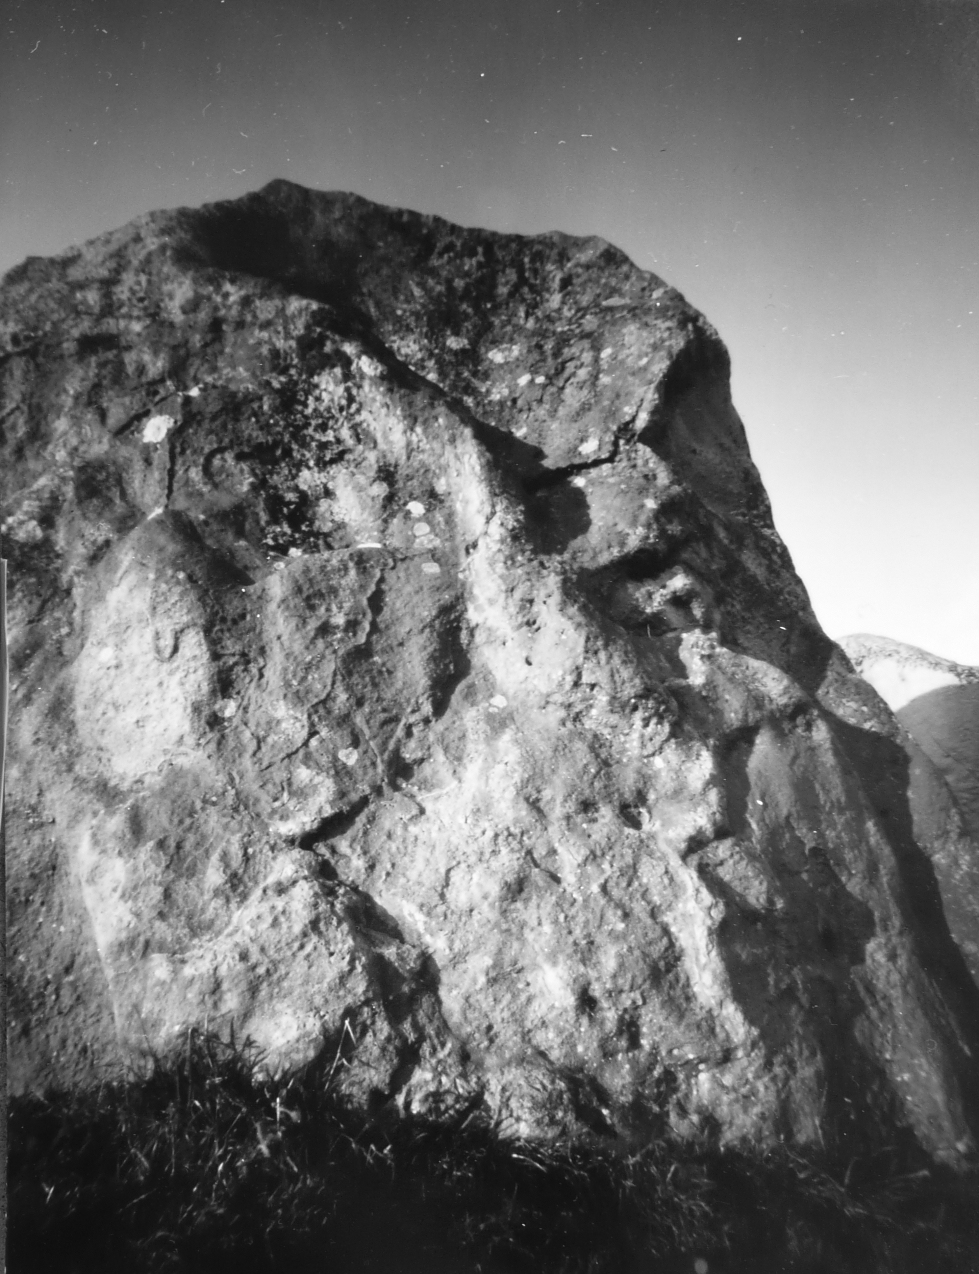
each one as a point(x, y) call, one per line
point(405, 665)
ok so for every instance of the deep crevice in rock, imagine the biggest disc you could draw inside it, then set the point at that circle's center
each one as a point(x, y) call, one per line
point(735, 753)
point(459, 668)
point(171, 468)
point(334, 825)
point(545, 477)
point(546, 871)
point(375, 608)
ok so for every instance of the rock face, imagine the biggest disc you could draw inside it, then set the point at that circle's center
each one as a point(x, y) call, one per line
point(937, 703)
point(405, 665)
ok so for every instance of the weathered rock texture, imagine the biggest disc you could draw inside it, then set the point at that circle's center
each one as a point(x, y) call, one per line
point(406, 665)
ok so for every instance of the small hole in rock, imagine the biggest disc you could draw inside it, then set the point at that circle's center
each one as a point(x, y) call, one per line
point(630, 816)
point(587, 1003)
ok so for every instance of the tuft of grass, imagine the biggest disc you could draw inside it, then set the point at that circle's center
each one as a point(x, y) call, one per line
point(204, 1166)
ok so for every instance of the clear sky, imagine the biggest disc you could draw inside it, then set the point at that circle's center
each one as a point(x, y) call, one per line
point(805, 171)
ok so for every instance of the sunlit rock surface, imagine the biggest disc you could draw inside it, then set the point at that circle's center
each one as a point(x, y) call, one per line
point(405, 665)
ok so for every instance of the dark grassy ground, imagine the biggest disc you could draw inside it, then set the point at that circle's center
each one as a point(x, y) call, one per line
point(202, 1167)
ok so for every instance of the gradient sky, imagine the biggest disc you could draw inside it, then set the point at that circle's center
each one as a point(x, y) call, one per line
point(805, 171)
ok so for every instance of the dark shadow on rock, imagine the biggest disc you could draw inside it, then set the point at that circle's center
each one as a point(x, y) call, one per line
point(762, 626)
point(615, 588)
point(100, 494)
point(556, 512)
point(556, 515)
point(883, 768)
point(457, 666)
point(366, 916)
point(945, 725)
point(733, 760)
point(176, 539)
point(336, 824)
point(820, 934)
point(257, 236)
point(266, 236)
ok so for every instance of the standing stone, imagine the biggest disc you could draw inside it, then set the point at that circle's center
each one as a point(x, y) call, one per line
point(406, 665)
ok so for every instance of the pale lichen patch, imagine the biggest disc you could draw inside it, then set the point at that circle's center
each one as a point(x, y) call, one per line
point(157, 428)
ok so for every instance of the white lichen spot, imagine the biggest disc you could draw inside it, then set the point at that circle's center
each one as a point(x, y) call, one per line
point(539, 380)
point(348, 756)
point(195, 392)
point(23, 529)
point(606, 352)
point(371, 544)
point(588, 448)
point(524, 379)
point(431, 568)
point(226, 708)
point(157, 428)
point(503, 353)
point(498, 702)
point(457, 342)
point(415, 509)
point(556, 983)
point(294, 552)
point(369, 366)
point(650, 504)
point(578, 482)
point(160, 968)
point(309, 480)
point(160, 509)
point(420, 529)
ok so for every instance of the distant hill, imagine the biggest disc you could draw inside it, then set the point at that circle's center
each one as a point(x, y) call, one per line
point(937, 702)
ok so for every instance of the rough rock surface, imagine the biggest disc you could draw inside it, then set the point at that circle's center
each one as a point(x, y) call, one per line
point(406, 665)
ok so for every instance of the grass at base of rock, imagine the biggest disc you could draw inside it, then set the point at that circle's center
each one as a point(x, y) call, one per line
point(202, 1167)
